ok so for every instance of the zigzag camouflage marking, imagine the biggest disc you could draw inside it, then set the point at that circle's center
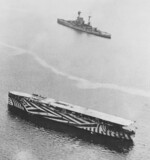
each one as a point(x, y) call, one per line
point(55, 113)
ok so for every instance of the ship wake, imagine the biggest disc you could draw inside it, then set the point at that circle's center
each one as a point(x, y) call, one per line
point(81, 82)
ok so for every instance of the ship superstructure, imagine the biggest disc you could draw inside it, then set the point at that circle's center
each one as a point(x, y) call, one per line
point(79, 24)
point(86, 119)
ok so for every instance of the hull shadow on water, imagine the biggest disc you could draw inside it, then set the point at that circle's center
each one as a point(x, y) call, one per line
point(113, 144)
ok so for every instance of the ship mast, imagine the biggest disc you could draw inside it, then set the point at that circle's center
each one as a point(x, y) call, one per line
point(89, 23)
point(79, 12)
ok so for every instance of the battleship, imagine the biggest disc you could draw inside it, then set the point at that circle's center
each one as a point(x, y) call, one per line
point(84, 119)
point(79, 24)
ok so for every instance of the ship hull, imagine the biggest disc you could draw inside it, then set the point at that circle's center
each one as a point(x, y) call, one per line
point(83, 29)
point(49, 112)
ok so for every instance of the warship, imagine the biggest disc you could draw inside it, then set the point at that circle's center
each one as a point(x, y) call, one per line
point(89, 120)
point(79, 24)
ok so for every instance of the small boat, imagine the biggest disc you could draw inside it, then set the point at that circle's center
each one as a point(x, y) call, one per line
point(82, 118)
point(80, 25)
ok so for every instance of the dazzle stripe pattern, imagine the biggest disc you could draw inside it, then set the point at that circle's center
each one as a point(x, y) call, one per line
point(55, 111)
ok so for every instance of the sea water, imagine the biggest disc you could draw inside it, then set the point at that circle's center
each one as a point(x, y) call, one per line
point(37, 55)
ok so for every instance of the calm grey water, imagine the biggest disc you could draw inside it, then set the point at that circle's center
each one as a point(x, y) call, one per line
point(39, 56)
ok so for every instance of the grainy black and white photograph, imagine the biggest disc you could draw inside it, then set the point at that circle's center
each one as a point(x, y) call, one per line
point(74, 80)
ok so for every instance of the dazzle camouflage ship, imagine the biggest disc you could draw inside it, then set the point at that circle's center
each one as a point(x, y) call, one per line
point(82, 118)
point(80, 25)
